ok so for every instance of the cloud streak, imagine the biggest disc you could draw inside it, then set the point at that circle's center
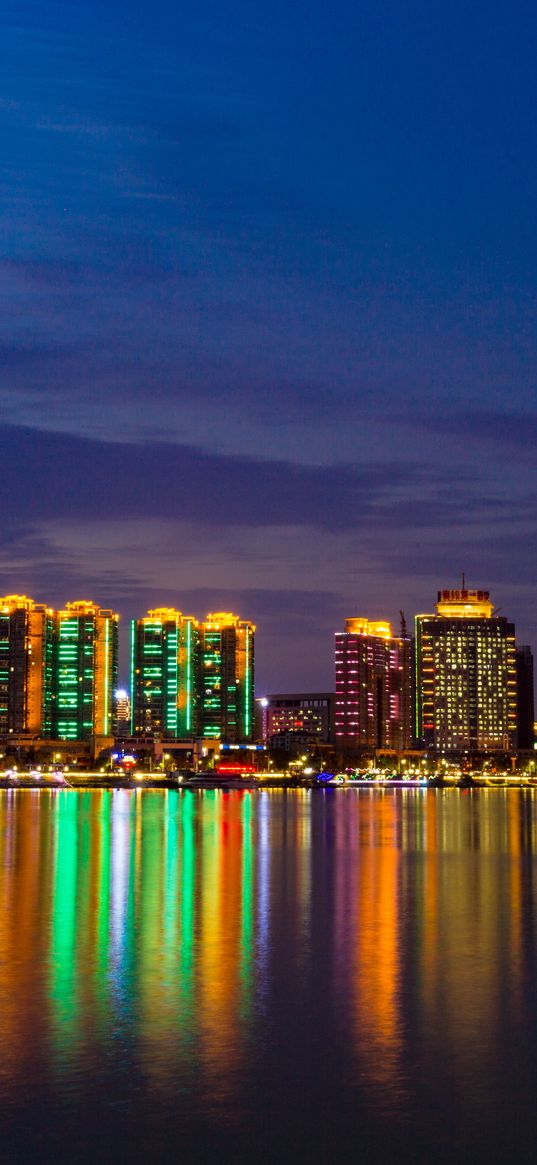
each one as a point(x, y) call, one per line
point(518, 430)
point(55, 476)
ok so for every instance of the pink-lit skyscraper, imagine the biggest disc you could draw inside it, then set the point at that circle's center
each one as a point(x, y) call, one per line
point(373, 685)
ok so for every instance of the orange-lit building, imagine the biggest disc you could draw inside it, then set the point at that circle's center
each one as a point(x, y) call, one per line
point(372, 687)
point(27, 636)
point(466, 676)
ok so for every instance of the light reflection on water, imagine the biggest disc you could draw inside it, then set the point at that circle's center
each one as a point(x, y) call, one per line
point(268, 976)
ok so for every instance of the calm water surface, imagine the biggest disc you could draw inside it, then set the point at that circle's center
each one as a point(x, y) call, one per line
point(296, 976)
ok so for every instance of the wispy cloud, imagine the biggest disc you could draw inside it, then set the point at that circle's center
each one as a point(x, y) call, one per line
point(58, 476)
point(501, 428)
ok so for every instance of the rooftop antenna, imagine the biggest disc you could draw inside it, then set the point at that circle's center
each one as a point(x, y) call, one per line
point(403, 625)
point(463, 584)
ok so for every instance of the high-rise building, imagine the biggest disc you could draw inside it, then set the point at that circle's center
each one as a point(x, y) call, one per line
point(372, 687)
point(227, 677)
point(165, 654)
point(525, 704)
point(26, 666)
point(466, 685)
point(86, 671)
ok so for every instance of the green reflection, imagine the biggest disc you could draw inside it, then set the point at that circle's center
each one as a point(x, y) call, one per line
point(102, 954)
point(188, 882)
point(171, 882)
point(62, 962)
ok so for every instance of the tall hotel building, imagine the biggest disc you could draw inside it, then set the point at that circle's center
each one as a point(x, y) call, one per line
point(27, 635)
point(466, 676)
point(165, 657)
point(372, 687)
point(227, 678)
point(86, 671)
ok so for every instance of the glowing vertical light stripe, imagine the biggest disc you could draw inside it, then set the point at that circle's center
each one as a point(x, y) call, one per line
point(63, 984)
point(170, 935)
point(101, 954)
point(172, 679)
point(119, 881)
point(417, 681)
point(187, 886)
point(133, 632)
point(247, 689)
point(263, 886)
point(247, 871)
point(106, 675)
point(188, 676)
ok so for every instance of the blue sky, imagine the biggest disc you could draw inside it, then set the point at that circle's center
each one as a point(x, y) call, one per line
point(267, 337)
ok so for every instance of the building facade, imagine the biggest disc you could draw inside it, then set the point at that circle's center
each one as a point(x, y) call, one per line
point(309, 713)
point(525, 698)
point(466, 683)
point(122, 713)
point(165, 679)
point(372, 703)
point(86, 669)
point(58, 669)
point(227, 677)
point(27, 652)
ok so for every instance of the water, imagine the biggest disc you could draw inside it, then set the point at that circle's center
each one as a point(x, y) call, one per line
point(306, 976)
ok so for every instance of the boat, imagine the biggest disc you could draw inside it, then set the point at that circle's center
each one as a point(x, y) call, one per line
point(209, 779)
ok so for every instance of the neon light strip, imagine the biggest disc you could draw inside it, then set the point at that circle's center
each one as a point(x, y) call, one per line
point(106, 676)
point(188, 676)
point(172, 682)
point(133, 631)
point(247, 688)
point(417, 681)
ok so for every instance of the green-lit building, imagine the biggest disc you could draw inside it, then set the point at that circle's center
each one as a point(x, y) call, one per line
point(165, 660)
point(227, 678)
point(85, 672)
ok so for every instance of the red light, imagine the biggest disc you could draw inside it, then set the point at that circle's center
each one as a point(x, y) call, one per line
point(227, 767)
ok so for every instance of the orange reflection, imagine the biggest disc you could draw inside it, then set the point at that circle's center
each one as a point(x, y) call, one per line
point(377, 958)
point(24, 880)
point(469, 942)
point(218, 965)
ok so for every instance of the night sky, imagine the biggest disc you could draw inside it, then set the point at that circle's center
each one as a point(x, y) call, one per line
point(268, 325)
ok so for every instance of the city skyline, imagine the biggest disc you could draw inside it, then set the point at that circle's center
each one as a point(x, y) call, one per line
point(285, 662)
point(269, 319)
point(458, 683)
point(268, 432)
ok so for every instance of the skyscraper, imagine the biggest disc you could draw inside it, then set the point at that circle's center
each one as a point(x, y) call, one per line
point(227, 677)
point(165, 652)
point(466, 686)
point(26, 666)
point(372, 687)
point(86, 671)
